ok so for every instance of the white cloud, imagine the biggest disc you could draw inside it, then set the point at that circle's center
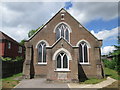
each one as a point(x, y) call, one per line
point(19, 18)
point(87, 11)
point(104, 34)
point(107, 49)
point(17, 33)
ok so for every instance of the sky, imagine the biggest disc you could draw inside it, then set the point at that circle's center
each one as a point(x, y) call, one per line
point(100, 18)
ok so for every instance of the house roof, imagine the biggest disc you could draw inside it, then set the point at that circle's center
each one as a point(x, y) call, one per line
point(52, 18)
point(4, 36)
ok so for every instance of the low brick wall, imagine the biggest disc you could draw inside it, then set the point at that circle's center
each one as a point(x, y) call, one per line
point(10, 68)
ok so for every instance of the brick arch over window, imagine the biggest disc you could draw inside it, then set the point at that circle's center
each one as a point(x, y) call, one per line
point(63, 23)
point(61, 58)
point(62, 29)
point(62, 50)
point(47, 44)
point(88, 44)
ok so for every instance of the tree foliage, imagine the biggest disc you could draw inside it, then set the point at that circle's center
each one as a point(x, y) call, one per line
point(22, 42)
point(31, 32)
point(115, 62)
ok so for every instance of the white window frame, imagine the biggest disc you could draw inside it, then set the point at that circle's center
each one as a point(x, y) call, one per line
point(68, 56)
point(62, 69)
point(83, 54)
point(9, 45)
point(20, 49)
point(42, 54)
point(88, 47)
point(69, 30)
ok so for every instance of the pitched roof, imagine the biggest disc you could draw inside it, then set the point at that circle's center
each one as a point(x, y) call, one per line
point(53, 17)
point(4, 36)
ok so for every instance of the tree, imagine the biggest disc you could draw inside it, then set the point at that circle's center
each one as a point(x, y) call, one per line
point(22, 42)
point(31, 32)
point(116, 54)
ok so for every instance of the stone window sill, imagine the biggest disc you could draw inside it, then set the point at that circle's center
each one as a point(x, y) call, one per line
point(86, 64)
point(41, 63)
point(62, 70)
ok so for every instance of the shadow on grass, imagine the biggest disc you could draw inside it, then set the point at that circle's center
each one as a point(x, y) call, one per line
point(107, 75)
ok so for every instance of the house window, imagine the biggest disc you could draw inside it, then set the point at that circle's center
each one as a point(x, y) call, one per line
point(9, 45)
point(20, 49)
point(62, 62)
point(42, 53)
point(83, 53)
point(62, 31)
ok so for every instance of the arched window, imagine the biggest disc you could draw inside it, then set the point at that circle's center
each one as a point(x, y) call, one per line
point(42, 52)
point(62, 61)
point(83, 52)
point(62, 30)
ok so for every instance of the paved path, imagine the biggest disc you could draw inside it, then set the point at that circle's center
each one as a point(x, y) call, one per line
point(99, 85)
point(42, 83)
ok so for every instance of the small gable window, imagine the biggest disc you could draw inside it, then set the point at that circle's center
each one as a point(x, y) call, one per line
point(62, 30)
point(42, 53)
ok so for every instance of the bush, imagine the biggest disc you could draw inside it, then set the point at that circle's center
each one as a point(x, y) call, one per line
point(11, 60)
point(112, 64)
point(6, 59)
point(18, 59)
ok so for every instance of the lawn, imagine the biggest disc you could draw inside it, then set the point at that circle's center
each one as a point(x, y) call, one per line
point(108, 72)
point(111, 73)
point(11, 82)
point(92, 81)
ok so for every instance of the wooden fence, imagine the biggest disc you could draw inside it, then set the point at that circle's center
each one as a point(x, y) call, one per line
point(11, 68)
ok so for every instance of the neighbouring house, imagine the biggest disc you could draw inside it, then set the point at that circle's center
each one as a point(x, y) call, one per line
point(9, 47)
point(63, 49)
point(107, 57)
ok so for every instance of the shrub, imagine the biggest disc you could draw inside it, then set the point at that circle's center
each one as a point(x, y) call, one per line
point(18, 59)
point(11, 60)
point(112, 64)
point(6, 59)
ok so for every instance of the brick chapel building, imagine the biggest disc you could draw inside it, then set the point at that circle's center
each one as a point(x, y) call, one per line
point(63, 49)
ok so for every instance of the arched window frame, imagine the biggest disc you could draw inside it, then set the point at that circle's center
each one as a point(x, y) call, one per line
point(88, 47)
point(69, 30)
point(69, 57)
point(62, 61)
point(37, 47)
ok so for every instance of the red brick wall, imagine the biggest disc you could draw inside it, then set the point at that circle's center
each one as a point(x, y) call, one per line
point(2, 48)
point(12, 52)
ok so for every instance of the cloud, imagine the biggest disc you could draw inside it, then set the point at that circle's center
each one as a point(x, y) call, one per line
point(87, 11)
point(20, 17)
point(17, 33)
point(107, 49)
point(104, 34)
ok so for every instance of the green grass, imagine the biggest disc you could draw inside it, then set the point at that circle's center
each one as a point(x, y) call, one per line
point(10, 82)
point(111, 73)
point(108, 72)
point(92, 81)
point(12, 77)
